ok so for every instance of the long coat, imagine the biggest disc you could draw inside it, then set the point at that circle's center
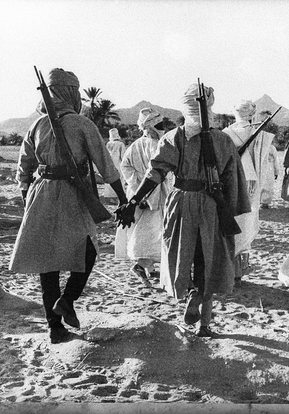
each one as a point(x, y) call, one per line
point(56, 222)
point(189, 213)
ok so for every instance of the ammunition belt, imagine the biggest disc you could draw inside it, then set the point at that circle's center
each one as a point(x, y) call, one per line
point(190, 184)
point(60, 172)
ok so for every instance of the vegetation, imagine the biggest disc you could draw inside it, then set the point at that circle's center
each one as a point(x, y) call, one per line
point(100, 111)
point(12, 139)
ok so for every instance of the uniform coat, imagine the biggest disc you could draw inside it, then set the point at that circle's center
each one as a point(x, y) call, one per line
point(56, 223)
point(188, 213)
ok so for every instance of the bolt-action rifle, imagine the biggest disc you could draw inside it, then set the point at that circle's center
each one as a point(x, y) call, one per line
point(96, 209)
point(228, 224)
point(243, 148)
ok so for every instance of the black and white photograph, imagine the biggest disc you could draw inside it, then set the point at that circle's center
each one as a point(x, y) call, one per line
point(144, 206)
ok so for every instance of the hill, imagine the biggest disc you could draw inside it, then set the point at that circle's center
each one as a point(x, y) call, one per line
point(129, 116)
point(17, 125)
point(265, 103)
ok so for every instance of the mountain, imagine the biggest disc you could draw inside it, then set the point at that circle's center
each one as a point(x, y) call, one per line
point(130, 115)
point(17, 125)
point(265, 103)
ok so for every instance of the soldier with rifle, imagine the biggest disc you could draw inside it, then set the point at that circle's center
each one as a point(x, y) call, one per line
point(58, 231)
point(253, 145)
point(197, 258)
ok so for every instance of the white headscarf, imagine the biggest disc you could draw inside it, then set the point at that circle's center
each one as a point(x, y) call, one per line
point(148, 117)
point(113, 134)
point(191, 109)
point(244, 110)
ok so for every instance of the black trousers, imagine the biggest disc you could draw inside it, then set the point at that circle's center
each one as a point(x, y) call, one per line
point(73, 289)
point(199, 267)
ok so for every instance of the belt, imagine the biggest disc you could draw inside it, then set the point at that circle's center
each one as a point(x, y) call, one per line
point(60, 172)
point(190, 184)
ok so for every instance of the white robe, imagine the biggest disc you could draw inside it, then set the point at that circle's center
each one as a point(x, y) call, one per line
point(254, 161)
point(143, 238)
point(272, 170)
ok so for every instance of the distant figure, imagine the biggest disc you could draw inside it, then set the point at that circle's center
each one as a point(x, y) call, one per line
point(141, 243)
point(255, 162)
point(116, 148)
point(271, 175)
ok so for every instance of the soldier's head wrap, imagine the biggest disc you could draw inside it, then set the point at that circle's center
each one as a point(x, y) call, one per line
point(64, 90)
point(113, 134)
point(191, 109)
point(244, 110)
point(148, 117)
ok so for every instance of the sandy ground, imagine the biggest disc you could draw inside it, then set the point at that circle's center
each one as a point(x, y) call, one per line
point(133, 345)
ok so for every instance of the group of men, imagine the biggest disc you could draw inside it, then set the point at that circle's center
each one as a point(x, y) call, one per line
point(171, 221)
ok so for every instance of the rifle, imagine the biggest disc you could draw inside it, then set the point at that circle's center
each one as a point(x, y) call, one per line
point(242, 149)
point(228, 224)
point(96, 209)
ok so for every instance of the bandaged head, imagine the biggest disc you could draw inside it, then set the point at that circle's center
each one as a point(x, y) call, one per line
point(191, 109)
point(64, 90)
point(245, 110)
point(113, 134)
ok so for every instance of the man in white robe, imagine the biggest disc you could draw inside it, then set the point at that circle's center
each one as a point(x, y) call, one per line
point(254, 161)
point(141, 243)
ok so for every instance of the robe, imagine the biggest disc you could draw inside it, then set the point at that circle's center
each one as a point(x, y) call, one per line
point(270, 173)
point(143, 239)
point(56, 222)
point(116, 149)
point(255, 163)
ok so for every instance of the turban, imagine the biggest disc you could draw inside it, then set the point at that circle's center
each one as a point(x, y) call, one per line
point(113, 134)
point(61, 77)
point(148, 117)
point(191, 109)
point(244, 110)
point(64, 91)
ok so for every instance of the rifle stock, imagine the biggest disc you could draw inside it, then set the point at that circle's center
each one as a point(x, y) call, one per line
point(228, 224)
point(96, 209)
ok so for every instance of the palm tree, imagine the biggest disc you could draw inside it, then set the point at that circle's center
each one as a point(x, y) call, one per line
point(93, 94)
point(104, 113)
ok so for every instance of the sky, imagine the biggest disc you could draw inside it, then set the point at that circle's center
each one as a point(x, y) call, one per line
point(136, 50)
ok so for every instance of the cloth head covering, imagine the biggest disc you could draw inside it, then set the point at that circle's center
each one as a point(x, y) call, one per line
point(148, 117)
point(64, 90)
point(244, 110)
point(113, 134)
point(61, 77)
point(191, 109)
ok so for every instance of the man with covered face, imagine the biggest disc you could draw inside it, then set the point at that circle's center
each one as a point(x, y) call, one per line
point(197, 260)
point(141, 243)
point(57, 231)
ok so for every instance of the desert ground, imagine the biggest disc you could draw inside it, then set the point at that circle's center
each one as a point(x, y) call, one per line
point(133, 346)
